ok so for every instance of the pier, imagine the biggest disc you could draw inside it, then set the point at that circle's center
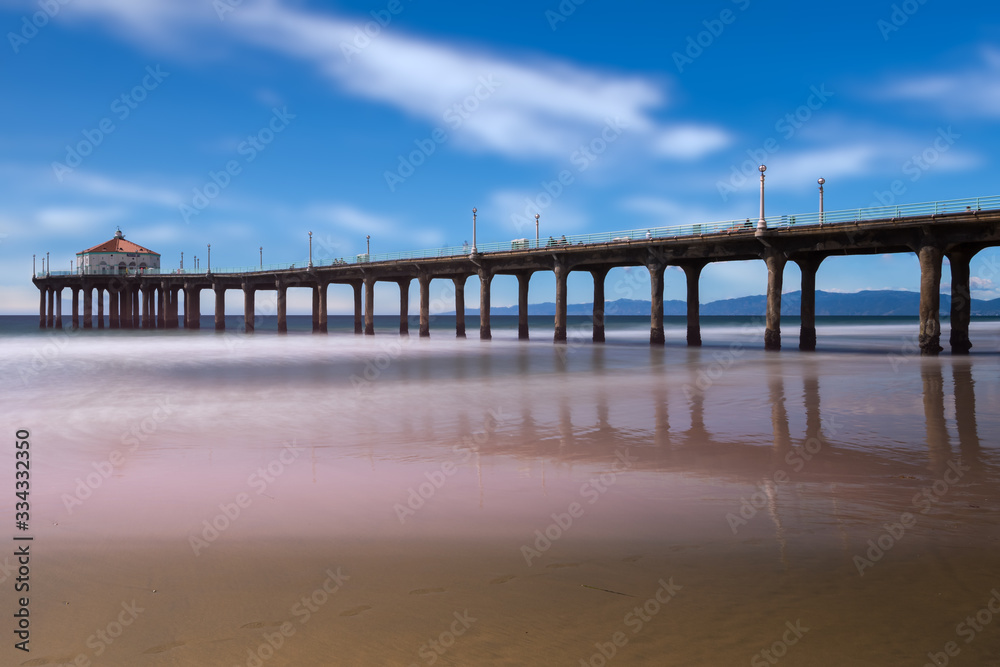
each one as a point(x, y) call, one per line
point(956, 229)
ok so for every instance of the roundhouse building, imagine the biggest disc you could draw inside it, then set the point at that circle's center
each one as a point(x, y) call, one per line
point(117, 256)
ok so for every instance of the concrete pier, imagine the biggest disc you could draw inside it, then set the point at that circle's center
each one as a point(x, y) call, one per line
point(929, 337)
point(958, 232)
point(369, 306)
point(248, 307)
point(961, 300)
point(460, 306)
point(425, 305)
point(404, 306)
point(523, 279)
point(561, 269)
point(692, 275)
point(656, 334)
point(775, 260)
point(599, 276)
point(807, 312)
point(485, 278)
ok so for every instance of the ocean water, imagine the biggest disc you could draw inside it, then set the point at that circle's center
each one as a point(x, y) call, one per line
point(584, 504)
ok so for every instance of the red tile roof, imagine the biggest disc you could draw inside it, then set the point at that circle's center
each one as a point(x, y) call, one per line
point(119, 244)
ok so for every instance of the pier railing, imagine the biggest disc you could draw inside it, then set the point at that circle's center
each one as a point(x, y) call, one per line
point(725, 227)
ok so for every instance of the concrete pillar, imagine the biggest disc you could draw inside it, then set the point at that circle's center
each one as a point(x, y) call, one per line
point(59, 322)
point(282, 307)
point(41, 307)
point(930, 299)
point(425, 306)
point(172, 294)
point(147, 307)
point(561, 270)
point(76, 307)
point(692, 273)
point(522, 304)
point(323, 325)
point(50, 317)
point(100, 307)
point(358, 311)
point(656, 334)
point(248, 307)
point(599, 276)
point(136, 308)
point(192, 295)
point(220, 308)
point(88, 307)
point(775, 260)
point(315, 308)
point(459, 306)
point(114, 296)
point(961, 301)
point(404, 306)
point(161, 306)
point(485, 278)
point(807, 313)
point(369, 306)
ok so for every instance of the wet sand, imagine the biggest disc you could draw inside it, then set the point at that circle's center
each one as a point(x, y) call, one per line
point(509, 504)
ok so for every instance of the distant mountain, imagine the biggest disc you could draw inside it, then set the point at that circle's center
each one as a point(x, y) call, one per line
point(869, 303)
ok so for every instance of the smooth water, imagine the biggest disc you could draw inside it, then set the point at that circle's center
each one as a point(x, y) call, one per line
point(708, 504)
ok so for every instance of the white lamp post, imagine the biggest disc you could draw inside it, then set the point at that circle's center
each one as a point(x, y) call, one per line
point(473, 230)
point(821, 181)
point(536, 229)
point(310, 249)
point(761, 225)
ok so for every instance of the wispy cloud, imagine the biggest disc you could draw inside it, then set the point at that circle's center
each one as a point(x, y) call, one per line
point(516, 107)
point(969, 92)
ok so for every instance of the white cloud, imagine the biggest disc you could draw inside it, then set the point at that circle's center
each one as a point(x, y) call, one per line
point(970, 92)
point(112, 189)
point(77, 218)
point(690, 142)
point(527, 107)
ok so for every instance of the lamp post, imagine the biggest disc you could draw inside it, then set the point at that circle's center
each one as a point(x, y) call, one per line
point(209, 270)
point(262, 258)
point(182, 261)
point(310, 249)
point(761, 224)
point(48, 265)
point(821, 181)
point(536, 228)
point(33, 272)
point(368, 246)
point(473, 230)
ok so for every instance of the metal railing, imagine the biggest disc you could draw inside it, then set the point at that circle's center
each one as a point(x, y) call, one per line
point(725, 227)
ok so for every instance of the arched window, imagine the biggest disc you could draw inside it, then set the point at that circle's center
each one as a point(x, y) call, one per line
point(121, 268)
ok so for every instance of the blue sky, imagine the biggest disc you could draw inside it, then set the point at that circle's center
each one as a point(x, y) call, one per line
point(395, 118)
